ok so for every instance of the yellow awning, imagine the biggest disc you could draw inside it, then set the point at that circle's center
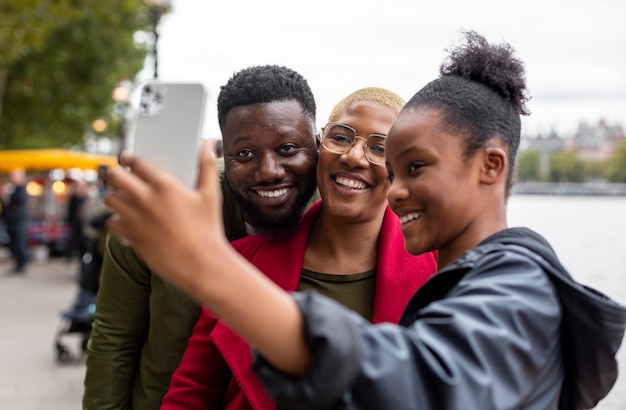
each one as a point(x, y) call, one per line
point(46, 159)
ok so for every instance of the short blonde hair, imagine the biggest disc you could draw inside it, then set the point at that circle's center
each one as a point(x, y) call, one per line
point(378, 95)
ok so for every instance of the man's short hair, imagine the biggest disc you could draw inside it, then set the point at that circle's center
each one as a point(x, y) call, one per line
point(263, 84)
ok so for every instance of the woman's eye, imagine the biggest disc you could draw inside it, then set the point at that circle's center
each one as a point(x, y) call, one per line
point(340, 139)
point(377, 149)
point(390, 177)
point(414, 167)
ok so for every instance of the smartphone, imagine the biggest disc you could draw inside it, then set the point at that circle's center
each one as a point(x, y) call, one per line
point(168, 127)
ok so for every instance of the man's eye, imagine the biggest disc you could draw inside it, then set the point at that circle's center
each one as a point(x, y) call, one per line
point(288, 149)
point(245, 153)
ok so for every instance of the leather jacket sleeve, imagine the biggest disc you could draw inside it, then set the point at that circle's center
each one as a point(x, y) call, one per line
point(119, 329)
point(486, 344)
point(201, 379)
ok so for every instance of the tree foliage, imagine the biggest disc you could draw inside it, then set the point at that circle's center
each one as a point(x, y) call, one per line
point(594, 169)
point(24, 28)
point(615, 170)
point(529, 165)
point(565, 166)
point(64, 59)
point(26, 25)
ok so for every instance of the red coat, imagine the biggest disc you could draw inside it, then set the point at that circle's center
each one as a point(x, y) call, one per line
point(202, 380)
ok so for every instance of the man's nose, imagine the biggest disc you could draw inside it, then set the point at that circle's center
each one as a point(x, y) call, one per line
point(270, 168)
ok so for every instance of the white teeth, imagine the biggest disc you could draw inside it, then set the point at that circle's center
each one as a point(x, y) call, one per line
point(409, 217)
point(272, 194)
point(350, 183)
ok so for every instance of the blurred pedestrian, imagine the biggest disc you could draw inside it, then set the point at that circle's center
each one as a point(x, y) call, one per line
point(4, 236)
point(74, 220)
point(94, 216)
point(101, 182)
point(15, 216)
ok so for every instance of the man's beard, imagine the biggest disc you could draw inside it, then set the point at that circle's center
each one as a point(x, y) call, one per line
point(269, 223)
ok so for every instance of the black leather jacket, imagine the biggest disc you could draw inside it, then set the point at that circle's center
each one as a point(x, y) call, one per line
point(503, 327)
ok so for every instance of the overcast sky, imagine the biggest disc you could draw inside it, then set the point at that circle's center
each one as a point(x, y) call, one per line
point(574, 50)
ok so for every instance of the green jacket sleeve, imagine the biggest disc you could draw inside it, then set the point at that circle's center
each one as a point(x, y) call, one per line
point(119, 329)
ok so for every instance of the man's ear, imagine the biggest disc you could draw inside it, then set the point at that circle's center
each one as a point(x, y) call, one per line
point(495, 164)
point(318, 140)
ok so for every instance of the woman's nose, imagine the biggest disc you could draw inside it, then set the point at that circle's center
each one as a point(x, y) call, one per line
point(356, 154)
point(396, 192)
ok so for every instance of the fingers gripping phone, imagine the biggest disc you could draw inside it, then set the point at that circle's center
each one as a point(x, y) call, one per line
point(168, 128)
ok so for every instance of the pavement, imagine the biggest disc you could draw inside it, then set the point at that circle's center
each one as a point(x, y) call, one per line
point(31, 377)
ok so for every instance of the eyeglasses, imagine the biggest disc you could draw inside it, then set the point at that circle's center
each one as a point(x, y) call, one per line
point(339, 138)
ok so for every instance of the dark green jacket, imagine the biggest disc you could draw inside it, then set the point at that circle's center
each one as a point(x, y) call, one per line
point(141, 326)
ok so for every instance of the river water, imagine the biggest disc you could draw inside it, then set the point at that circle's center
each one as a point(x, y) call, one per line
point(589, 235)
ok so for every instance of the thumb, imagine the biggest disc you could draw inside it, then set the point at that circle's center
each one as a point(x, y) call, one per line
point(207, 175)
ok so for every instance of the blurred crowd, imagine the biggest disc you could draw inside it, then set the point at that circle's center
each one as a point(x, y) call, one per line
point(81, 218)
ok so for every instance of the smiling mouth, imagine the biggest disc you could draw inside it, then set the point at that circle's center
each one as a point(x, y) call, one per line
point(409, 217)
point(350, 183)
point(273, 194)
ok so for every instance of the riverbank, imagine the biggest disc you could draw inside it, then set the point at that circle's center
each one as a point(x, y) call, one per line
point(570, 188)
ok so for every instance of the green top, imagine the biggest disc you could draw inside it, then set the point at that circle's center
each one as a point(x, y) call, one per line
point(355, 291)
point(141, 326)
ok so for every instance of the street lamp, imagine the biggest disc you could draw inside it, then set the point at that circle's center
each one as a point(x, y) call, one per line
point(121, 92)
point(157, 8)
point(99, 125)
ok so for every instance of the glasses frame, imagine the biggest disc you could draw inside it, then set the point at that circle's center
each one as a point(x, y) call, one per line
point(356, 137)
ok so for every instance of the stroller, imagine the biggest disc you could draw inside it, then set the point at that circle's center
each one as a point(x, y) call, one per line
point(78, 318)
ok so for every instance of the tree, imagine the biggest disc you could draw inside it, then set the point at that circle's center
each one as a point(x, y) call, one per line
point(26, 25)
point(59, 77)
point(594, 170)
point(565, 166)
point(616, 165)
point(528, 165)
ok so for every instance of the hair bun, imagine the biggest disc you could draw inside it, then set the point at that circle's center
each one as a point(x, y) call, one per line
point(492, 65)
